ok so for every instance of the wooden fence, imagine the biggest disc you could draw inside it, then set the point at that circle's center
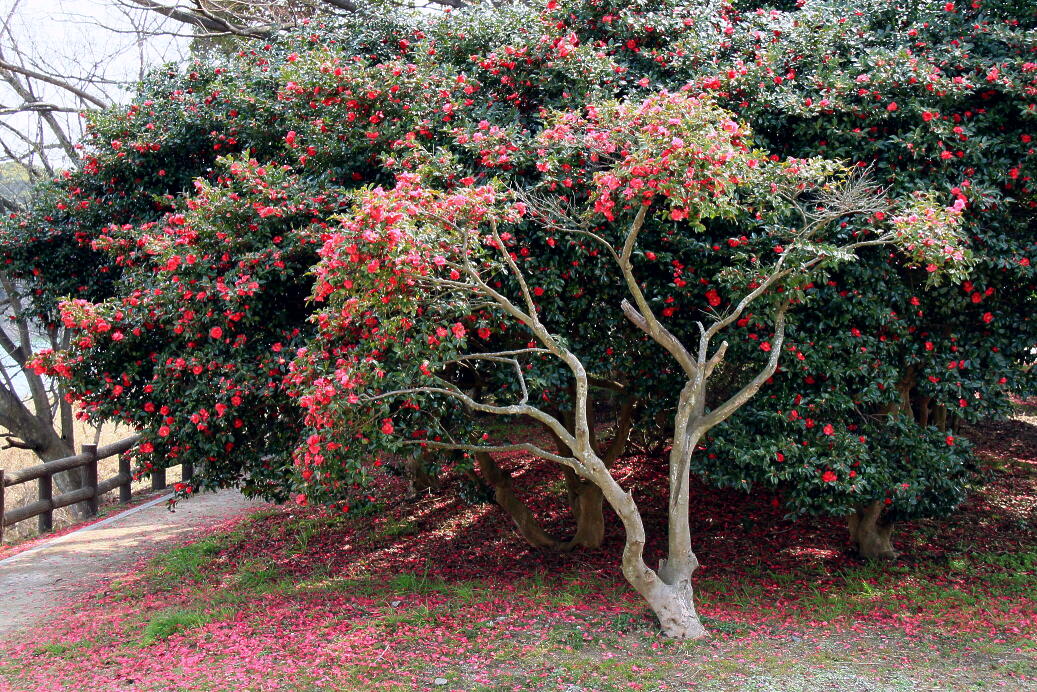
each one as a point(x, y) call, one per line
point(91, 490)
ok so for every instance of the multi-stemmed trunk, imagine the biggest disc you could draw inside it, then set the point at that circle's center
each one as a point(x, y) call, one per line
point(668, 591)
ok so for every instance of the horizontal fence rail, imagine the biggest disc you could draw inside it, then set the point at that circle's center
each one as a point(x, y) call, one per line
point(91, 489)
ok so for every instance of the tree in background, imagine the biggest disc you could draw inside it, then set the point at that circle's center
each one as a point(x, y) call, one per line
point(936, 96)
point(43, 92)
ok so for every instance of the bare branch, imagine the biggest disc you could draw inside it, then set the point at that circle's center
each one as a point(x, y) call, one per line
point(203, 20)
point(38, 107)
point(722, 412)
point(60, 83)
point(643, 317)
point(509, 410)
point(12, 442)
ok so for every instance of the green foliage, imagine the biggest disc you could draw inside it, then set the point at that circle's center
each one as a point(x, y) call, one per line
point(187, 241)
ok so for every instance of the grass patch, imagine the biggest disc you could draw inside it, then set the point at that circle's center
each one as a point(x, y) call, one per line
point(417, 583)
point(256, 578)
point(418, 616)
point(164, 624)
point(61, 648)
point(187, 562)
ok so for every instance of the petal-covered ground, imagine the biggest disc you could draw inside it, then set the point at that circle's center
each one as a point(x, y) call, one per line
point(438, 594)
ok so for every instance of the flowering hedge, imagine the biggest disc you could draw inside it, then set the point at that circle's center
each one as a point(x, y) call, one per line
point(879, 361)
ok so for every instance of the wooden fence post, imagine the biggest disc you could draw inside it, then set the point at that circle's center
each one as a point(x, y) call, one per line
point(126, 489)
point(45, 520)
point(1, 506)
point(186, 472)
point(158, 479)
point(89, 474)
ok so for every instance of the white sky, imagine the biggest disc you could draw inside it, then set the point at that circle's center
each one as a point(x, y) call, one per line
point(77, 38)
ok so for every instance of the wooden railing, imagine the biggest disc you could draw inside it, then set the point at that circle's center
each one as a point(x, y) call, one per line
point(91, 490)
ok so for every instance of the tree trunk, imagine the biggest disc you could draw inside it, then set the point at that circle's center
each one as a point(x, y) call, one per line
point(585, 501)
point(669, 594)
point(528, 527)
point(40, 436)
point(674, 605)
point(870, 533)
point(419, 479)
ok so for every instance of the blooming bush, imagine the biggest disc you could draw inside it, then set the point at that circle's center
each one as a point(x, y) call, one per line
point(391, 143)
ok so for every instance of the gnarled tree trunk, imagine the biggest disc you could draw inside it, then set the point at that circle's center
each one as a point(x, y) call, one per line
point(669, 592)
point(870, 532)
point(674, 603)
point(528, 527)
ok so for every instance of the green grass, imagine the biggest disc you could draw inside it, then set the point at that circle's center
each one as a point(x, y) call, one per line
point(187, 562)
point(257, 578)
point(166, 623)
point(409, 583)
point(59, 648)
point(417, 616)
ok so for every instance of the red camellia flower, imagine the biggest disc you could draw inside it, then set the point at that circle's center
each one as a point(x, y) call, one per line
point(828, 429)
point(765, 346)
point(988, 317)
point(387, 427)
point(713, 297)
point(163, 431)
point(892, 107)
point(216, 333)
point(829, 477)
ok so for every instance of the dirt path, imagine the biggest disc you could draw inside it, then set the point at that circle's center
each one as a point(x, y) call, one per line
point(37, 580)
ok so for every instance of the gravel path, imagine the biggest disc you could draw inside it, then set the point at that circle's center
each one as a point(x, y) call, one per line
point(33, 582)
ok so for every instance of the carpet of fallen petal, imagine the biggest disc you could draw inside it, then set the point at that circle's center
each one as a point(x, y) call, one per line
point(434, 593)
